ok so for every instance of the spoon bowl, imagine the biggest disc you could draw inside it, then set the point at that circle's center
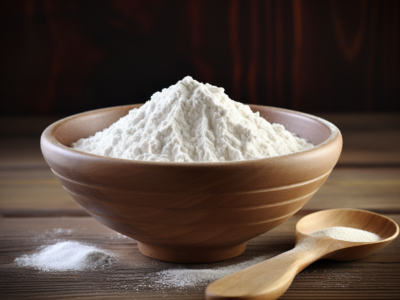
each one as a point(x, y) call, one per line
point(270, 279)
point(386, 228)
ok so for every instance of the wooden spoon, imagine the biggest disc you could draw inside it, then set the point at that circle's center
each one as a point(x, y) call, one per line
point(270, 279)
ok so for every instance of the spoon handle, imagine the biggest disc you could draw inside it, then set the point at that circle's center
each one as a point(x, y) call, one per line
point(266, 280)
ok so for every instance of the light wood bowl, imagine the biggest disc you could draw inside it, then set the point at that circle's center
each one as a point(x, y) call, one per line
point(191, 212)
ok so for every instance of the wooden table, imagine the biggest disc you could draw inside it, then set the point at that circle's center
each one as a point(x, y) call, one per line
point(36, 211)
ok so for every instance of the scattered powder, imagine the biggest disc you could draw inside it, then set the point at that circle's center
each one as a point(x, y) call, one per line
point(67, 256)
point(62, 231)
point(55, 233)
point(117, 236)
point(347, 234)
point(184, 278)
point(75, 256)
point(192, 122)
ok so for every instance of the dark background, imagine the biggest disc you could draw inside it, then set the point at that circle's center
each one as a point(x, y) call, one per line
point(63, 57)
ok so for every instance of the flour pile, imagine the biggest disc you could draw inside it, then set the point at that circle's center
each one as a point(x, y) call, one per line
point(183, 278)
point(192, 122)
point(67, 256)
point(347, 234)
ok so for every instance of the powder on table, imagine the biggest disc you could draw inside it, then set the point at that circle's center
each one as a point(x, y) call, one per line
point(67, 256)
point(192, 122)
point(182, 278)
point(347, 234)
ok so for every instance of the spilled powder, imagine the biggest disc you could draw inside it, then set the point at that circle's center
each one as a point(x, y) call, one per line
point(67, 256)
point(186, 278)
point(75, 256)
point(58, 231)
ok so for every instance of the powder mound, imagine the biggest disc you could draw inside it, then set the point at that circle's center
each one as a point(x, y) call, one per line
point(183, 278)
point(67, 256)
point(192, 122)
point(347, 234)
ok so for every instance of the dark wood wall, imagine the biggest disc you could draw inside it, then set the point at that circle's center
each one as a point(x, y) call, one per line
point(62, 57)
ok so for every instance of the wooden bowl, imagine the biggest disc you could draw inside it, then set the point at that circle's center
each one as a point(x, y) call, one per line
point(191, 212)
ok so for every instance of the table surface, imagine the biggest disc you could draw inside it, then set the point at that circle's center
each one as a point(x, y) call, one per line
point(35, 211)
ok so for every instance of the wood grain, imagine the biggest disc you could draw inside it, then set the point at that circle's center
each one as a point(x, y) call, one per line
point(376, 189)
point(358, 151)
point(20, 148)
point(369, 139)
point(35, 192)
point(376, 276)
point(331, 55)
point(190, 212)
point(268, 280)
point(367, 176)
point(21, 153)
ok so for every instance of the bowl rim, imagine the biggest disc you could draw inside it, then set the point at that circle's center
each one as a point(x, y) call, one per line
point(48, 136)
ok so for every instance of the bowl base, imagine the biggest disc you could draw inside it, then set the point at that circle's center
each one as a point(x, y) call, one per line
point(190, 255)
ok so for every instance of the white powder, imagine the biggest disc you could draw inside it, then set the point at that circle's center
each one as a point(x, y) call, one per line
point(347, 234)
point(338, 233)
point(192, 122)
point(62, 231)
point(75, 256)
point(182, 278)
point(67, 256)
